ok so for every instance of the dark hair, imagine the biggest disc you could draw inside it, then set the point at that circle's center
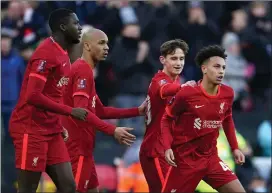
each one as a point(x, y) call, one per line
point(170, 46)
point(209, 51)
point(57, 17)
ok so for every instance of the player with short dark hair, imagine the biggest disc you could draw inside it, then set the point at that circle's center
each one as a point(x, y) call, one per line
point(190, 128)
point(164, 84)
point(35, 125)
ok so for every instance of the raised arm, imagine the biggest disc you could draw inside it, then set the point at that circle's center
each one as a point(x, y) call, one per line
point(115, 113)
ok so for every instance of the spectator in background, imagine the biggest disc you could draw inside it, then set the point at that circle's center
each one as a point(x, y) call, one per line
point(12, 71)
point(12, 21)
point(32, 30)
point(264, 137)
point(127, 61)
point(238, 71)
point(262, 23)
point(198, 31)
point(254, 48)
point(154, 18)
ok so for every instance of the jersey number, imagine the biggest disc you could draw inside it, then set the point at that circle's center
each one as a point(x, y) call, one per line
point(148, 111)
point(224, 166)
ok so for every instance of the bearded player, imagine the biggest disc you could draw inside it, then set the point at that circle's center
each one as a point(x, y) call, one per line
point(81, 93)
point(35, 125)
point(198, 113)
point(164, 84)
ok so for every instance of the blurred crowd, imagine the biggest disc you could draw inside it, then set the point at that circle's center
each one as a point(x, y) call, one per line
point(136, 30)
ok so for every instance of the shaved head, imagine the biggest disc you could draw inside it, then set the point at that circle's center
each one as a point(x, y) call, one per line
point(94, 34)
point(95, 44)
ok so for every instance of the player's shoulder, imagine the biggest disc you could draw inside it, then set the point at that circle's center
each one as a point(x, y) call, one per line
point(187, 91)
point(80, 66)
point(46, 50)
point(160, 78)
point(226, 91)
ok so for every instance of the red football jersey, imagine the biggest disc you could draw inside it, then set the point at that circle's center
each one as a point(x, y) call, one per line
point(51, 64)
point(199, 117)
point(81, 134)
point(156, 104)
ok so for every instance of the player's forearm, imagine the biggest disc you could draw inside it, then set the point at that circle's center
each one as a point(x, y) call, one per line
point(100, 125)
point(169, 90)
point(229, 129)
point(35, 97)
point(117, 113)
point(41, 101)
point(166, 133)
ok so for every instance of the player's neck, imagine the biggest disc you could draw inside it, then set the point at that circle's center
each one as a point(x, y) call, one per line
point(173, 77)
point(88, 59)
point(209, 87)
point(60, 40)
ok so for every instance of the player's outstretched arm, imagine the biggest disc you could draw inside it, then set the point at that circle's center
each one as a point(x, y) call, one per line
point(121, 134)
point(118, 113)
point(34, 96)
point(171, 89)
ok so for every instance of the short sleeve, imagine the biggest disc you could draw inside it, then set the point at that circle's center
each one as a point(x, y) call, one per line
point(83, 83)
point(176, 104)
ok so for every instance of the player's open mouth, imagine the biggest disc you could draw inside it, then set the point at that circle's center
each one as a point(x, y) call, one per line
point(219, 78)
point(177, 68)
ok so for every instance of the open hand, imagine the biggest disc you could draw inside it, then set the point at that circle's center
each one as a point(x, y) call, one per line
point(123, 136)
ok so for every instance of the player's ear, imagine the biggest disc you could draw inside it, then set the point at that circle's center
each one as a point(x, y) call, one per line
point(162, 59)
point(204, 69)
point(62, 27)
point(86, 46)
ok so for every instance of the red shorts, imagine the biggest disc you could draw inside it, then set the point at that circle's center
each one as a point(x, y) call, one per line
point(35, 152)
point(155, 171)
point(84, 173)
point(192, 169)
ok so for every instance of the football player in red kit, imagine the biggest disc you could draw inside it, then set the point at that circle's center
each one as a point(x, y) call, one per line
point(81, 93)
point(35, 127)
point(164, 84)
point(198, 113)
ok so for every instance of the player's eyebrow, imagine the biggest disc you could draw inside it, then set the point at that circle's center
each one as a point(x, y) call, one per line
point(103, 41)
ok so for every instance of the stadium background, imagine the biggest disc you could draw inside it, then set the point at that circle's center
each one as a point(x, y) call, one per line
point(136, 31)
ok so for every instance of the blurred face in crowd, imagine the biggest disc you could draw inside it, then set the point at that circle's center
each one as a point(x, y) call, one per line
point(96, 43)
point(258, 9)
point(5, 45)
point(173, 63)
point(239, 20)
point(14, 10)
point(214, 69)
point(131, 31)
point(234, 48)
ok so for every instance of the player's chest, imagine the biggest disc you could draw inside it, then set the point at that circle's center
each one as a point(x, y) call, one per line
point(208, 108)
point(60, 74)
point(64, 67)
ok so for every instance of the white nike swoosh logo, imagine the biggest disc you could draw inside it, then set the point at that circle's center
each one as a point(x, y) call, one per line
point(198, 106)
